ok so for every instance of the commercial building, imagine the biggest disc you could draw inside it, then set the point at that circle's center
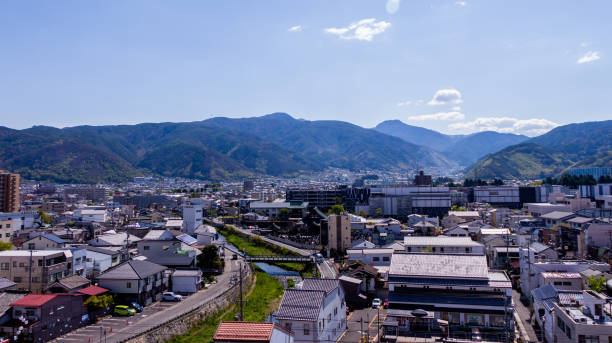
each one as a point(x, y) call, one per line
point(193, 213)
point(443, 245)
point(432, 293)
point(9, 192)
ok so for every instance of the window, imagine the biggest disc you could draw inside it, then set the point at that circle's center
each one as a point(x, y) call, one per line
point(441, 249)
point(4, 266)
point(17, 279)
point(40, 263)
point(21, 264)
point(128, 285)
point(8, 234)
point(288, 326)
point(376, 259)
point(568, 332)
point(306, 329)
point(386, 258)
point(497, 321)
point(335, 311)
point(31, 246)
point(467, 250)
point(146, 247)
point(558, 283)
point(14, 264)
point(589, 339)
point(561, 324)
point(8, 226)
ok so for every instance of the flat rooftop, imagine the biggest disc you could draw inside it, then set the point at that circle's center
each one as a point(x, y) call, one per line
point(439, 265)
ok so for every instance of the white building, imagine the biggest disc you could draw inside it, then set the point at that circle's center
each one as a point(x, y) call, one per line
point(186, 281)
point(192, 215)
point(89, 215)
point(443, 245)
point(316, 312)
point(375, 257)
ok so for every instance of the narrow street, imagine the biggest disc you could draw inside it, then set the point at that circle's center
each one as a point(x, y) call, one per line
point(362, 322)
point(524, 315)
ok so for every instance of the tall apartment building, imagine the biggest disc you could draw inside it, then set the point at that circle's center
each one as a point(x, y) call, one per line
point(338, 232)
point(47, 267)
point(9, 192)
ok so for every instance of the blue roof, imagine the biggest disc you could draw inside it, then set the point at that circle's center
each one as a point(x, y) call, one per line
point(185, 238)
point(51, 237)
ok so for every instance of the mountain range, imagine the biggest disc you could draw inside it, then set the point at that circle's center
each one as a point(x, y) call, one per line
point(463, 149)
point(277, 144)
point(570, 146)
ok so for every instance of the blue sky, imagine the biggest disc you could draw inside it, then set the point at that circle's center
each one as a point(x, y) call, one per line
point(453, 66)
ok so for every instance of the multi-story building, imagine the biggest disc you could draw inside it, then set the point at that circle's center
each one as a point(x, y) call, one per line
point(443, 245)
point(54, 206)
point(47, 266)
point(338, 232)
point(94, 194)
point(572, 315)
point(6, 230)
point(135, 280)
point(426, 290)
point(21, 220)
point(192, 215)
point(9, 192)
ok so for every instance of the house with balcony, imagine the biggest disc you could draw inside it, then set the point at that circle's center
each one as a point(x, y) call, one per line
point(135, 280)
point(451, 293)
point(47, 266)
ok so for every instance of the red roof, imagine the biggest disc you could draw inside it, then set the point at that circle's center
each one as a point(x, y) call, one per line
point(93, 290)
point(245, 331)
point(34, 300)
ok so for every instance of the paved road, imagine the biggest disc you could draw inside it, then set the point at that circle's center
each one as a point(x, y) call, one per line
point(121, 328)
point(327, 269)
point(362, 322)
point(523, 314)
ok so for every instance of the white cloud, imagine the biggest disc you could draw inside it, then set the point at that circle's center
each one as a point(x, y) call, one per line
point(364, 29)
point(404, 103)
point(460, 3)
point(438, 116)
point(392, 6)
point(446, 96)
point(529, 127)
point(456, 108)
point(296, 28)
point(589, 57)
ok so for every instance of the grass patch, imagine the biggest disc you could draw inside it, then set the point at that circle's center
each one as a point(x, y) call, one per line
point(262, 301)
point(257, 246)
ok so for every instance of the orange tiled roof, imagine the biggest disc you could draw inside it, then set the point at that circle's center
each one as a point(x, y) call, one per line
point(244, 331)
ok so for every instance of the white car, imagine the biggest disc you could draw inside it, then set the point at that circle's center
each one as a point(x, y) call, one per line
point(171, 296)
point(376, 303)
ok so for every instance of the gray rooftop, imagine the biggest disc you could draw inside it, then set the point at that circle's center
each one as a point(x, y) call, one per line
point(556, 215)
point(439, 265)
point(300, 305)
point(326, 285)
point(132, 270)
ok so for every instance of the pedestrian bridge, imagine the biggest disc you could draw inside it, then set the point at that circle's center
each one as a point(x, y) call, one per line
point(263, 258)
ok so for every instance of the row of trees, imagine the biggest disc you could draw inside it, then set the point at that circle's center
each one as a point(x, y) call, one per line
point(574, 181)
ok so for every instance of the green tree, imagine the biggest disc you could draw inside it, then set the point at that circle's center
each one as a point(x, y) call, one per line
point(98, 302)
point(283, 214)
point(290, 283)
point(209, 258)
point(45, 217)
point(337, 209)
point(6, 246)
point(597, 284)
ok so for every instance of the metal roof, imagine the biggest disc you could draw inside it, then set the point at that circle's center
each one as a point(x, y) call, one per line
point(132, 270)
point(300, 305)
point(326, 285)
point(460, 241)
point(439, 265)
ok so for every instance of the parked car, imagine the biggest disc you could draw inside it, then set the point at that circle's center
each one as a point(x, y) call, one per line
point(376, 303)
point(136, 306)
point(319, 258)
point(171, 296)
point(124, 310)
point(476, 335)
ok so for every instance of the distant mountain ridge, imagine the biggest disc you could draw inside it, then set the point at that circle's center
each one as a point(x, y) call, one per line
point(218, 148)
point(569, 146)
point(463, 149)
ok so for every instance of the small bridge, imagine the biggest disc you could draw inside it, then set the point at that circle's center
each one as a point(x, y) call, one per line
point(295, 259)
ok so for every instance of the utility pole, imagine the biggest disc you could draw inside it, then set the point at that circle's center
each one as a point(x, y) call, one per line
point(30, 279)
point(378, 323)
point(361, 338)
